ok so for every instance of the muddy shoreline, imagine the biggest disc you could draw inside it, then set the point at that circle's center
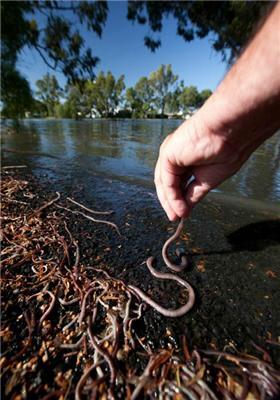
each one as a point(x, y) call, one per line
point(232, 254)
point(234, 262)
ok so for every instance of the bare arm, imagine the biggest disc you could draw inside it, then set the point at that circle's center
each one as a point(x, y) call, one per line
point(219, 138)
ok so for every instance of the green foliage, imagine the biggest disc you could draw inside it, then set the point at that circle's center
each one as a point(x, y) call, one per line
point(104, 94)
point(49, 92)
point(204, 95)
point(75, 105)
point(47, 27)
point(152, 95)
point(39, 109)
point(16, 94)
point(189, 98)
point(173, 104)
point(161, 93)
point(140, 99)
point(230, 23)
point(162, 82)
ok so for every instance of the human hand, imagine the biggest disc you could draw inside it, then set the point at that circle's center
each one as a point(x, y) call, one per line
point(234, 121)
point(193, 151)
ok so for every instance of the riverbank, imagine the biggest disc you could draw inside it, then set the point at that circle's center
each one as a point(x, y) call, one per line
point(234, 271)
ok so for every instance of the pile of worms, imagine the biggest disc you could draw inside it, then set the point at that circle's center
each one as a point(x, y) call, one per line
point(69, 330)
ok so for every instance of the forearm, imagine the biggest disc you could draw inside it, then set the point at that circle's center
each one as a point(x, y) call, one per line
point(245, 109)
point(213, 144)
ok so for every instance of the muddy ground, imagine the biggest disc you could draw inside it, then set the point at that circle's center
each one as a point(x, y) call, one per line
point(234, 253)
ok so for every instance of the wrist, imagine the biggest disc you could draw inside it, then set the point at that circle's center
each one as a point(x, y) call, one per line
point(243, 126)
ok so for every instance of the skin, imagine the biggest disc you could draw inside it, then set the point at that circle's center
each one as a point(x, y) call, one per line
point(240, 115)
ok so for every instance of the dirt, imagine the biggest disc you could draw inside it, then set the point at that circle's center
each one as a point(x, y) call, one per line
point(233, 253)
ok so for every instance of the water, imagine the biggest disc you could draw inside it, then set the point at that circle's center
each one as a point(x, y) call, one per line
point(127, 150)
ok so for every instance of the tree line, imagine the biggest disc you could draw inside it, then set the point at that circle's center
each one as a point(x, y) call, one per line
point(47, 28)
point(160, 95)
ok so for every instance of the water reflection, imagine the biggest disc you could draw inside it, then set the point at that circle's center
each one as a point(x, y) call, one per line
point(128, 149)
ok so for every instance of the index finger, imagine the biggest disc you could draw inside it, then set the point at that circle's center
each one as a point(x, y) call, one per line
point(173, 178)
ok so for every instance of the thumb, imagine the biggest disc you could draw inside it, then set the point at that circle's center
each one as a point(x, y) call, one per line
point(195, 192)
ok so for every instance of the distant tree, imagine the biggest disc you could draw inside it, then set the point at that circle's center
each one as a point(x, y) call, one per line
point(104, 94)
point(162, 82)
point(189, 98)
point(204, 95)
point(141, 98)
point(39, 109)
point(133, 102)
point(173, 104)
point(49, 92)
point(230, 22)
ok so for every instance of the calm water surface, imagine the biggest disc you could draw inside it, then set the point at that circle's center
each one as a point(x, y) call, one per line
point(127, 150)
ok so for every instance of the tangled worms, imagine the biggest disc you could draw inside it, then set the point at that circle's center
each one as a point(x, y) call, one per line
point(90, 336)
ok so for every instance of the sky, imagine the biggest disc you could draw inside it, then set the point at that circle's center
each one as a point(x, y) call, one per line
point(122, 51)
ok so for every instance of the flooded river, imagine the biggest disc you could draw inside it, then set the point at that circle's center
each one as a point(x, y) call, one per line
point(127, 150)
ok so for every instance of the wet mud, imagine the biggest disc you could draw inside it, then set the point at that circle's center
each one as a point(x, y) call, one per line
point(233, 252)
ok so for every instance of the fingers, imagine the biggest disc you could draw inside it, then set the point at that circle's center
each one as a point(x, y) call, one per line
point(195, 192)
point(169, 186)
point(161, 194)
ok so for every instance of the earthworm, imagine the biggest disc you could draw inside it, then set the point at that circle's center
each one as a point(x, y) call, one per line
point(68, 303)
point(70, 323)
point(16, 201)
point(129, 333)
point(102, 352)
point(164, 311)
point(55, 394)
point(14, 166)
point(83, 379)
point(186, 391)
point(72, 346)
point(48, 204)
point(169, 264)
point(154, 362)
point(69, 233)
point(116, 333)
point(49, 309)
point(83, 306)
point(236, 359)
point(191, 376)
point(38, 272)
point(126, 320)
point(89, 209)
point(101, 221)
